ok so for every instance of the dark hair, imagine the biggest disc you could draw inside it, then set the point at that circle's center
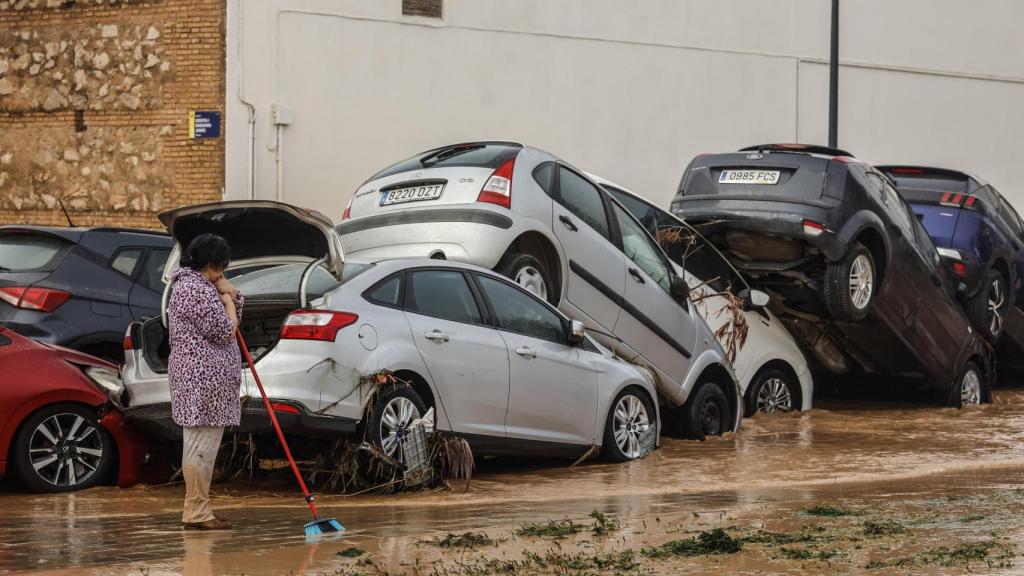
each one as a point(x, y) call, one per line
point(206, 250)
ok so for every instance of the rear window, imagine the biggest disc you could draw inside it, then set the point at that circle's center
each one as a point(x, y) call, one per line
point(478, 155)
point(28, 252)
point(283, 281)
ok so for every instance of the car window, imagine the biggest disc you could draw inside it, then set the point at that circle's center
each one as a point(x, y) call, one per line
point(892, 203)
point(583, 199)
point(639, 247)
point(443, 294)
point(648, 215)
point(472, 155)
point(1010, 217)
point(544, 176)
point(125, 260)
point(926, 247)
point(20, 252)
point(153, 270)
point(388, 292)
point(285, 280)
point(517, 311)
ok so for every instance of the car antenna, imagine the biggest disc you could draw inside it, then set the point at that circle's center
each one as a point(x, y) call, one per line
point(65, 210)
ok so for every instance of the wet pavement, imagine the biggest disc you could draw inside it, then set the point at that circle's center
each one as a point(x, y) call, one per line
point(890, 460)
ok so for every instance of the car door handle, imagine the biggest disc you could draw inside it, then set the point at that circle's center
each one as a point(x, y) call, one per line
point(568, 222)
point(436, 335)
point(526, 351)
point(637, 276)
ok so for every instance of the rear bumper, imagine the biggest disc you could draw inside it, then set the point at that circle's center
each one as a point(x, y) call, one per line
point(156, 419)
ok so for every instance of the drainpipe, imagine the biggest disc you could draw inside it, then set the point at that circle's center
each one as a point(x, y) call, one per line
point(833, 80)
point(250, 180)
point(282, 118)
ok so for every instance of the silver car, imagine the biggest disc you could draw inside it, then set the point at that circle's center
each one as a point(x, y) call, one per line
point(499, 366)
point(547, 226)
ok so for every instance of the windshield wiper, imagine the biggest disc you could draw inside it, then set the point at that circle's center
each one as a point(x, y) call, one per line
point(446, 153)
point(5, 269)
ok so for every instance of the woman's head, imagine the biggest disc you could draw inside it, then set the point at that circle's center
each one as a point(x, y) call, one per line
point(209, 254)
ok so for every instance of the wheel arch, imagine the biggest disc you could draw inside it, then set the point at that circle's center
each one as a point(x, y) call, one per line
point(874, 241)
point(540, 246)
point(715, 372)
point(782, 366)
point(18, 424)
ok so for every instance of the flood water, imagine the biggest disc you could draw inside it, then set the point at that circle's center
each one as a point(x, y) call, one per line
point(875, 451)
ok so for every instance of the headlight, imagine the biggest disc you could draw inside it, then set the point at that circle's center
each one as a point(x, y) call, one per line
point(108, 381)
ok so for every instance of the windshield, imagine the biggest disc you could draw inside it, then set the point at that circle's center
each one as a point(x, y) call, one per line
point(284, 280)
point(24, 252)
point(476, 155)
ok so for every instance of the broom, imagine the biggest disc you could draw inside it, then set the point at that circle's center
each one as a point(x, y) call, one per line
point(318, 525)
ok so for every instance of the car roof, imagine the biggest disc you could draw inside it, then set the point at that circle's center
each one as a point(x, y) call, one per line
point(75, 233)
point(912, 170)
point(794, 148)
point(394, 264)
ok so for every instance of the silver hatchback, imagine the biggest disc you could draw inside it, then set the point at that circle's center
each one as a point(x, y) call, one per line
point(547, 226)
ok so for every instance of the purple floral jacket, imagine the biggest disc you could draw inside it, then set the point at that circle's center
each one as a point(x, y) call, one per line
point(205, 367)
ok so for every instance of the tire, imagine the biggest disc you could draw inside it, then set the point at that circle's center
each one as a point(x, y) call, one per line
point(845, 301)
point(79, 460)
point(989, 306)
point(970, 388)
point(772, 391)
point(394, 408)
point(530, 273)
point(631, 422)
point(706, 413)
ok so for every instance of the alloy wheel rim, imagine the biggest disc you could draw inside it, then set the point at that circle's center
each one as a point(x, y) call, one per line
point(631, 424)
point(970, 388)
point(774, 396)
point(861, 281)
point(530, 278)
point(996, 300)
point(65, 450)
point(710, 418)
point(398, 415)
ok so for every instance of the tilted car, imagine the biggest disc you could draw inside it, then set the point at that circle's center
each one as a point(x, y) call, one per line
point(852, 271)
point(543, 223)
point(61, 428)
point(80, 287)
point(981, 238)
point(499, 366)
point(772, 371)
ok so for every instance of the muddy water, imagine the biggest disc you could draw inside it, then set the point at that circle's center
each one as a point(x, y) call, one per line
point(884, 454)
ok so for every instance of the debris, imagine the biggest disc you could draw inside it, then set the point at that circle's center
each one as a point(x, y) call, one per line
point(715, 541)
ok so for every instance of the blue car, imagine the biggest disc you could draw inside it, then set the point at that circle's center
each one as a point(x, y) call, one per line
point(981, 239)
point(80, 287)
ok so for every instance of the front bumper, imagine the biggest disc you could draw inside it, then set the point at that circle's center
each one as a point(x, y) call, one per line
point(294, 420)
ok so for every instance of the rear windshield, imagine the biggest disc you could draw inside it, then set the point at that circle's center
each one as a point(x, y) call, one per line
point(475, 155)
point(283, 281)
point(28, 252)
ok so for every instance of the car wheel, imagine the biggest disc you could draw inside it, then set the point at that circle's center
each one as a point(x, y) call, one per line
point(850, 284)
point(529, 273)
point(629, 431)
point(706, 413)
point(393, 411)
point(970, 388)
point(62, 448)
point(989, 307)
point(772, 391)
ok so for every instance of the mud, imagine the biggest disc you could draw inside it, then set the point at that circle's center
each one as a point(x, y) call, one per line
point(846, 488)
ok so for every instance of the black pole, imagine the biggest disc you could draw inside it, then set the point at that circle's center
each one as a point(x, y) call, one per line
point(833, 80)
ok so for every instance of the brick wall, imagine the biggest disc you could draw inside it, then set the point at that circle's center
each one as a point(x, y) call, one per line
point(94, 103)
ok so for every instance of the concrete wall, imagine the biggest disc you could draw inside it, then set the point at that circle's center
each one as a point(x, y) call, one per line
point(630, 91)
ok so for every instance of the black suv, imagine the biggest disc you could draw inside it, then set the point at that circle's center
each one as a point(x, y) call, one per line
point(833, 241)
point(80, 287)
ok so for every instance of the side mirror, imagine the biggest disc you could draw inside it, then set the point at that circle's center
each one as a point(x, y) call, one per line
point(576, 332)
point(679, 288)
point(755, 299)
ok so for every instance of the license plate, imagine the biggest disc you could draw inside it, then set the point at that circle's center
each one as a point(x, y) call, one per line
point(411, 194)
point(749, 177)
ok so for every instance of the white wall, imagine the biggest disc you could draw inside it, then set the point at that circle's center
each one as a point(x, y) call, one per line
point(631, 91)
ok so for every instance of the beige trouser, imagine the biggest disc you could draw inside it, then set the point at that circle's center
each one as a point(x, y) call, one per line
point(197, 458)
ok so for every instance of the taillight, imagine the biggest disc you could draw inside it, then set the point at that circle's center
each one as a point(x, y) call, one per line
point(846, 160)
point(348, 208)
point(498, 188)
point(129, 342)
point(970, 201)
point(960, 269)
point(316, 324)
point(812, 228)
point(286, 408)
point(43, 299)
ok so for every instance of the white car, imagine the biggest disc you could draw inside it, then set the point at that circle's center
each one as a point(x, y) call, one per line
point(772, 371)
point(499, 366)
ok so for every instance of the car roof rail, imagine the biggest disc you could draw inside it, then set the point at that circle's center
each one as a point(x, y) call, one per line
point(798, 148)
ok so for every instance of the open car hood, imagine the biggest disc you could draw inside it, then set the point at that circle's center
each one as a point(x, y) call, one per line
point(258, 231)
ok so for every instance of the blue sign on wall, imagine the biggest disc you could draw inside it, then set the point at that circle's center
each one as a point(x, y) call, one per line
point(204, 124)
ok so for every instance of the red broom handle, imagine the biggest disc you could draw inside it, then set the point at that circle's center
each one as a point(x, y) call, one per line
point(277, 427)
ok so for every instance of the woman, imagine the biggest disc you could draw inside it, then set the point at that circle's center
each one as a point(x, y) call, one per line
point(204, 368)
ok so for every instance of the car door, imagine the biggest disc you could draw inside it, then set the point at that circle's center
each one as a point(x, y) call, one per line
point(552, 395)
point(596, 277)
point(652, 322)
point(468, 360)
point(898, 296)
point(144, 299)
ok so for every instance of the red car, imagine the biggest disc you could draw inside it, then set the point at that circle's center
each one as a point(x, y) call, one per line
point(60, 428)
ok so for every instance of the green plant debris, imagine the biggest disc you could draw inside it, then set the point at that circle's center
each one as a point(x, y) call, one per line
point(353, 552)
point(465, 540)
point(551, 529)
point(715, 541)
point(829, 511)
point(564, 562)
point(807, 553)
point(883, 528)
point(603, 524)
point(990, 553)
point(971, 518)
